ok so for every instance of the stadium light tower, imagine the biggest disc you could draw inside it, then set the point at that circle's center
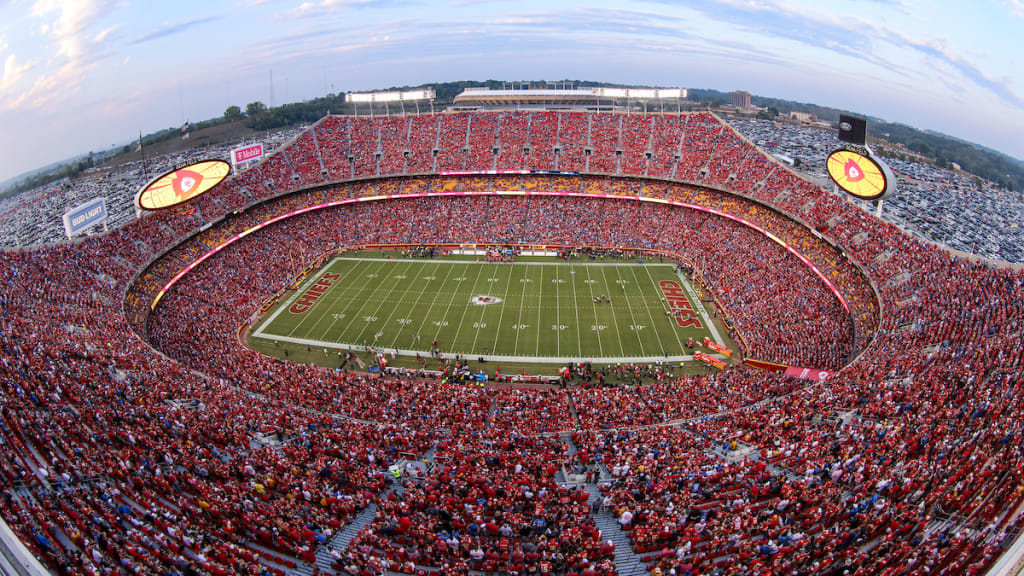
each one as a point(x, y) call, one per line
point(643, 95)
point(386, 97)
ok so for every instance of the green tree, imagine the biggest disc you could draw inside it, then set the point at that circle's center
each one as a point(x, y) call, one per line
point(234, 113)
point(253, 109)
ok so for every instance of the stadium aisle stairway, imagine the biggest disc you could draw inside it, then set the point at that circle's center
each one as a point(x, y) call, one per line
point(627, 562)
point(340, 541)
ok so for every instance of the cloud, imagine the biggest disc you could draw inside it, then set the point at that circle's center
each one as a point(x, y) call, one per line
point(1016, 7)
point(69, 25)
point(617, 21)
point(13, 72)
point(315, 10)
point(104, 34)
point(900, 5)
point(848, 35)
point(74, 18)
point(843, 34)
point(171, 28)
point(937, 49)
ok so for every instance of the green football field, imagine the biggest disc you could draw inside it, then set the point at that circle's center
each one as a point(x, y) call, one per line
point(548, 311)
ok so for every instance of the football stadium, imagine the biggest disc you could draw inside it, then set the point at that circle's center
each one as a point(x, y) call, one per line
point(542, 335)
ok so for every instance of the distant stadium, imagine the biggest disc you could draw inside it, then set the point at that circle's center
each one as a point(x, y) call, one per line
point(516, 339)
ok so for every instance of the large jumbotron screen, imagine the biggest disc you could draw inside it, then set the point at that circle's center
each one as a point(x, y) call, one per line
point(857, 174)
point(182, 184)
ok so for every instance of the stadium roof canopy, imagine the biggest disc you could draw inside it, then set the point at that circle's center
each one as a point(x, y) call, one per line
point(585, 98)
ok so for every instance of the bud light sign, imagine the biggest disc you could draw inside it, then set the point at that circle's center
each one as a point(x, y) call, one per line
point(80, 218)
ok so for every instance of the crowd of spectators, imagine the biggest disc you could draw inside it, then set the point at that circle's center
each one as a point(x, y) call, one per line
point(949, 207)
point(494, 506)
point(143, 442)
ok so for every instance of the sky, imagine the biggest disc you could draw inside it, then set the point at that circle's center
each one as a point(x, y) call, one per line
point(81, 75)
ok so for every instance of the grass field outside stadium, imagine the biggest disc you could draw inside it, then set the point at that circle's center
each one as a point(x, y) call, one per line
point(531, 311)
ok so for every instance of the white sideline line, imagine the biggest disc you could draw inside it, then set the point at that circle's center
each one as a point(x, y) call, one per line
point(559, 262)
point(700, 309)
point(494, 358)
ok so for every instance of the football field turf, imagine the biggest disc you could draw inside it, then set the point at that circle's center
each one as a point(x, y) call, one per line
point(541, 311)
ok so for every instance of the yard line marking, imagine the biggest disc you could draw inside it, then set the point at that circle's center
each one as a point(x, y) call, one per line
point(333, 301)
point(357, 293)
point(625, 294)
point(576, 306)
point(419, 296)
point(501, 314)
point(600, 346)
point(540, 309)
point(673, 328)
point(383, 300)
point(465, 309)
point(558, 309)
point(615, 320)
point(419, 329)
point(519, 322)
point(398, 304)
point(281, 307)
point(447, 308)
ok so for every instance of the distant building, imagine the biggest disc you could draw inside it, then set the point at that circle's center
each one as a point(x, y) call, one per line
point(741, 99)
point(803, 117)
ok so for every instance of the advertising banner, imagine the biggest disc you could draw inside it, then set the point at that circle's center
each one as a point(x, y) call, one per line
point(807, 373)
point(85, 216)
point(246, 154)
